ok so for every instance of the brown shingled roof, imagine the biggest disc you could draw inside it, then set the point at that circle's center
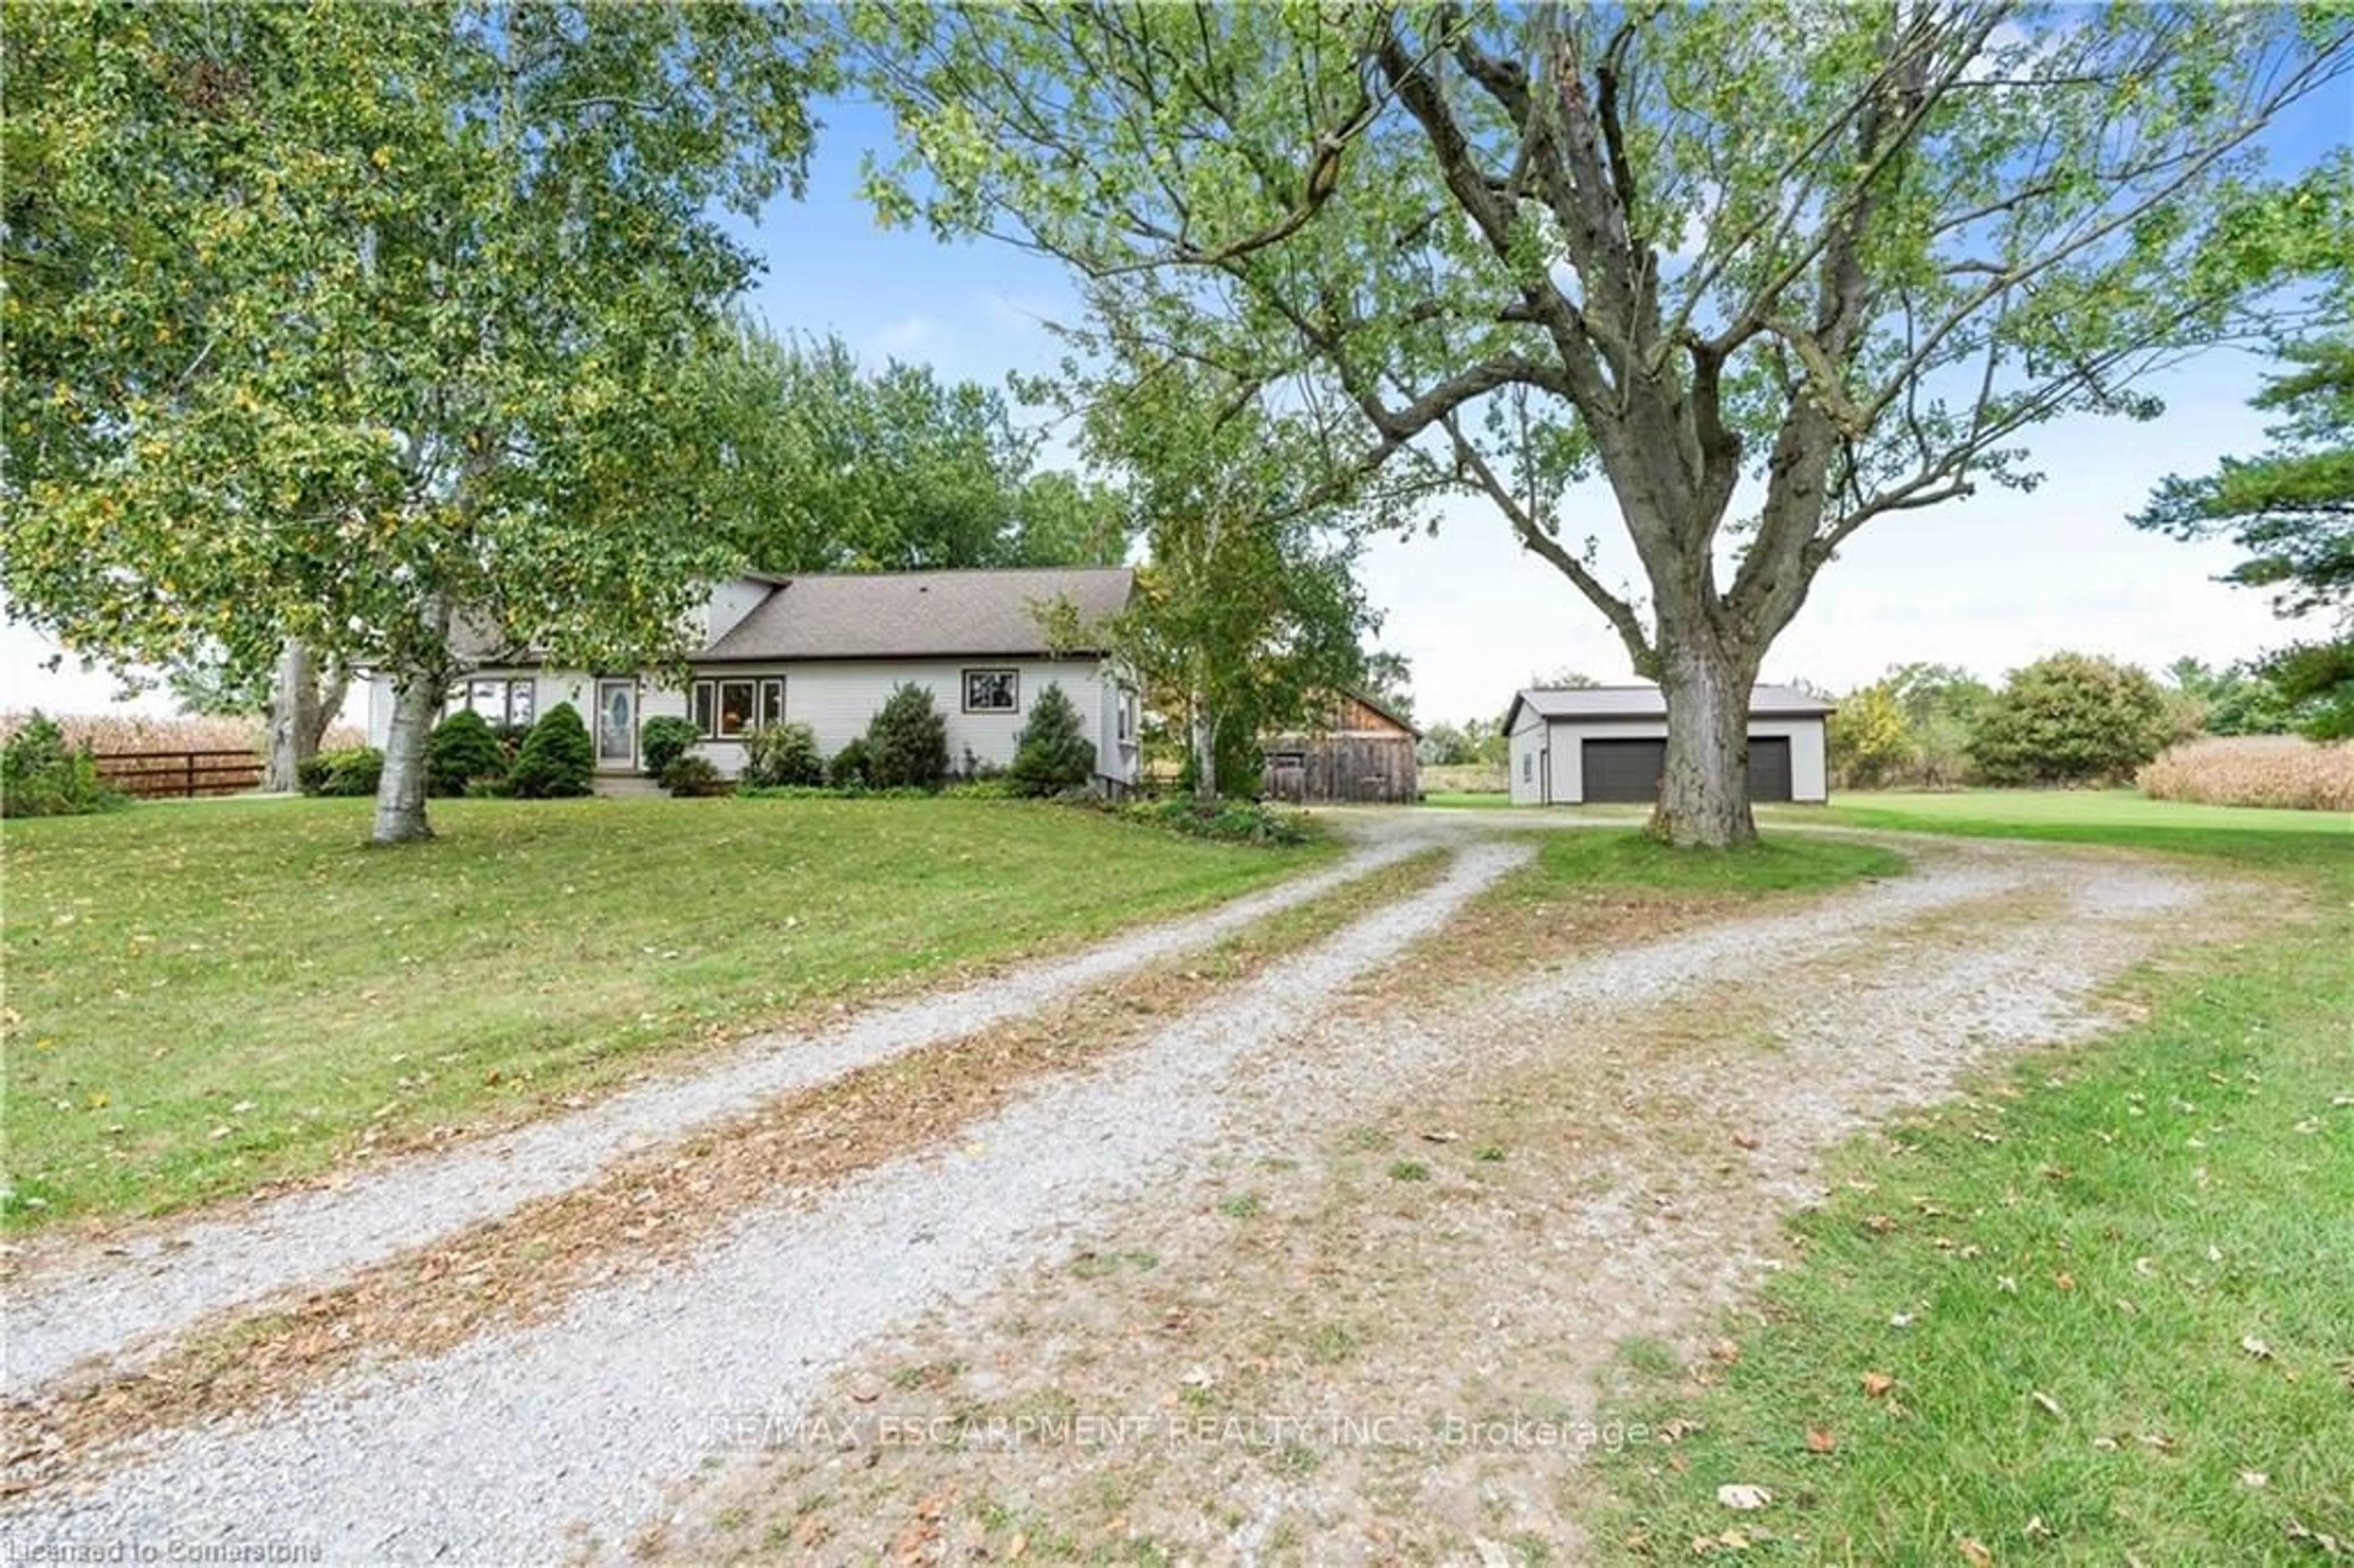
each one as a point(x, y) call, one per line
point(901, 615)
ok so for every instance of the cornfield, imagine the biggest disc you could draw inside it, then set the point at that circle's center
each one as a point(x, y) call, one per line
point(1472, 778)
point(144, 732)
point(2256, 771)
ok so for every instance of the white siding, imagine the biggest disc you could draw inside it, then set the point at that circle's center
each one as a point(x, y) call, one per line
point(836, 698)
point(1526, 761)
point(1809, 776)
point(379, 710)
point(548, 687)
point(731, 601)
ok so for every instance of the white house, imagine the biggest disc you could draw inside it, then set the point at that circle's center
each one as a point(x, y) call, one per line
point(1610, 743)
point(826, 650)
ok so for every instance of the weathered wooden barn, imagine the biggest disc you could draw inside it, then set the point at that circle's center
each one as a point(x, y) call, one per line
point(1364, 754)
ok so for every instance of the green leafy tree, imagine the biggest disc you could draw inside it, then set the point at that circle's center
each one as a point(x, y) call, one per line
point(825, 465)
point(1941, 703)
point(2291, 509)
point(2232, 699)
point(1870, 736)
point(296, 698)
point(1769, 271)
point(2317, 679)
point(1388, 680)
point(330, 322)
point(463, 749)
point(2071, 719)
point(557, 759)
point(1248, 612)
point(907, 742)
point(1052, 752)
point(1444, 744)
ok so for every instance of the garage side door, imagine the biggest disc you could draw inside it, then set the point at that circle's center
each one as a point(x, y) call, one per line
point(1624, 769)
point(1769, 768)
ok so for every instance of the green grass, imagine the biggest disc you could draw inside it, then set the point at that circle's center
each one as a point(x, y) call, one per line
point(2087, 1259)
point(1461, 799)
point(2098, 816)
point(205, 997)
point(1588, 857)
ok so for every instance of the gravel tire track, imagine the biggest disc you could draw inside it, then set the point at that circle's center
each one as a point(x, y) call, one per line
point(570, 1436)
point(70, 1301)
point(1670, 1219)
point(487, 1454)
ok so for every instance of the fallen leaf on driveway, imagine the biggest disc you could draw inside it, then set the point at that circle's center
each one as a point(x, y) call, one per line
point(1742, 1495)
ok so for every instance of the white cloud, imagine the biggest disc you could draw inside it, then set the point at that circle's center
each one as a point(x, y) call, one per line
point(908, 337)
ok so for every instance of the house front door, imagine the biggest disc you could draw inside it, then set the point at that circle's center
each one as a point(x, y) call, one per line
point(616, 726)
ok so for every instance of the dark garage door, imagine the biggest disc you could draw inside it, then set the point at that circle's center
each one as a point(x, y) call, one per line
point(1624, 769)
point(1630, 769)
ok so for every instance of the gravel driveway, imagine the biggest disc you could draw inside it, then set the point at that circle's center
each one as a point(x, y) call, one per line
point(572, 1436)
point(69, 1301)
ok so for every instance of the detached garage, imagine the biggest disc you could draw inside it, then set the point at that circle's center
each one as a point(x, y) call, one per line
point(1572, 747)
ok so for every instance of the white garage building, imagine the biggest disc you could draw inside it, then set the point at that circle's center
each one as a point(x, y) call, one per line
point(1572, 747)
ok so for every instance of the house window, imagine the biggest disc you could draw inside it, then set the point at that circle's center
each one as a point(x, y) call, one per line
point(1528, 767)
point(1127, 716)
point(992, 692)
point(724, 710)
point(503, 705)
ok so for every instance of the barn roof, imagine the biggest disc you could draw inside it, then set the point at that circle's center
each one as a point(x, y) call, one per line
point(1624, 704)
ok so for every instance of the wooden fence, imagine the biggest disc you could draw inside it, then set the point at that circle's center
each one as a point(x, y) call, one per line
point(186, 773)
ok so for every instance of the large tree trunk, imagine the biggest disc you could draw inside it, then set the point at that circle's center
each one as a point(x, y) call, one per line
point(400, 793)
point(1704, 793)
point(1202, 729)
point(416, 691)
point(333, 685)
point(294, 721)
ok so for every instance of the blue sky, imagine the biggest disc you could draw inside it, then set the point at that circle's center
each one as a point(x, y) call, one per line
point(1989, 582)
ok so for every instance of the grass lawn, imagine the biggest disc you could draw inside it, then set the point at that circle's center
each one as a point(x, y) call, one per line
point(203, 997)
point(2109, 1295)
point(1609, 858)
point(2090, 816)
point(1458, 799)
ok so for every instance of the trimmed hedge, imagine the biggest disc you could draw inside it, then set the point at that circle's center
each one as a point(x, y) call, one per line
point(782, 754)
point(463, 748)
point(557, 759)
point(347, 770)
point(662, 741)
point(1053, 753)
point(907, 742)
